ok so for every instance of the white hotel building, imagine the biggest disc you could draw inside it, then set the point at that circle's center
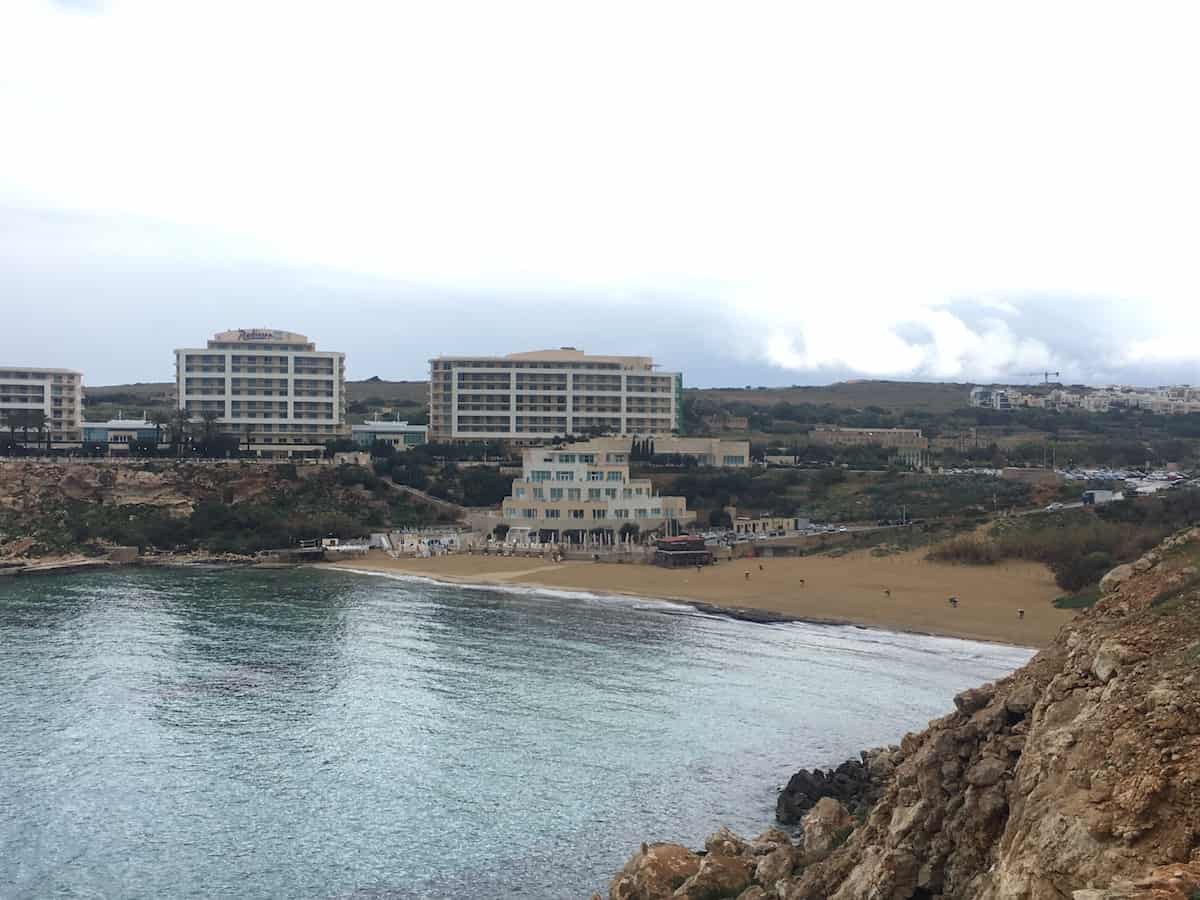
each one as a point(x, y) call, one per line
point(583, 488)
point(272, 389)
point(57, 393)
point(534, 397)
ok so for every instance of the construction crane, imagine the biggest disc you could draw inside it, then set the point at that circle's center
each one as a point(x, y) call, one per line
point(1045, 375)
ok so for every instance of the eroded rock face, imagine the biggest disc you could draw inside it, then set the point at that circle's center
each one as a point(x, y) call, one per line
point(856, 784)
point(1078, 776)
point(824, 827)
point(654, 873)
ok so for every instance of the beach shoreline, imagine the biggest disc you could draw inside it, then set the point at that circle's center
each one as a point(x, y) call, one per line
point(841, 591)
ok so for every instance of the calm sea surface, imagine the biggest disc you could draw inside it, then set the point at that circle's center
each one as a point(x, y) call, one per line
point(215, 733)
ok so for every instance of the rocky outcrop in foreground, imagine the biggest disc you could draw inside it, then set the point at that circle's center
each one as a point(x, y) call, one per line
point(1076, 778)
point(855, 784)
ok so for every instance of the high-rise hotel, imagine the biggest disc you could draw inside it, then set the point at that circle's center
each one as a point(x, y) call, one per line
point(57, 393)
point(532, 397)
point(272, 389)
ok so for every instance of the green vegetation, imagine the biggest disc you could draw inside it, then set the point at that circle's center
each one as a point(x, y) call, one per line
point(1083, 599)
point(838, 495)
point(1081, 545)
point(444, 471)
point(348, 501)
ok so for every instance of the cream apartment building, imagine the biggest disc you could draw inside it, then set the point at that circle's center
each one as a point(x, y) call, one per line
point(272, 389)
point(57, 393)
point(583, 488)
point(534, 397)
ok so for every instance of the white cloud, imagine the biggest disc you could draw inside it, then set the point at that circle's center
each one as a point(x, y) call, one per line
point(833, 177)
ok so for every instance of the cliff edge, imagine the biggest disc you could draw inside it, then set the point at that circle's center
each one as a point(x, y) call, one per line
point(1076, 777)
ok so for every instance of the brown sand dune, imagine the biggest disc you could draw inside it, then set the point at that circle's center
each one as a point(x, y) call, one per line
point(846, 589)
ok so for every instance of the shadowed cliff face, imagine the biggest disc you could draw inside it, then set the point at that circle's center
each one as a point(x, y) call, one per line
point(1076, 777)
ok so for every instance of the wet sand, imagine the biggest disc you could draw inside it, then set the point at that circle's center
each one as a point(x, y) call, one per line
point(848, 589)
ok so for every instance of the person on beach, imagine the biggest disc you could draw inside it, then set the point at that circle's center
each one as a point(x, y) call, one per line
point(1020, 613)
point(953, 601)
point(747, 576)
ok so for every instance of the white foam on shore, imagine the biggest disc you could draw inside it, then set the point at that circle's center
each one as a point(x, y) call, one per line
point(527, 590)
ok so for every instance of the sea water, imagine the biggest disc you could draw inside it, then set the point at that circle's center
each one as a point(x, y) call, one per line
point(302, 733)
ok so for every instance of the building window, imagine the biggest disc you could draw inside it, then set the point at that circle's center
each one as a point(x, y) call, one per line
point(574, 493)
point(577, 514)
point(539, 494)
point(593, 493)
point(564, 475)
point(587, 457)
point(655, 511)
point(539, 475)
point(627, 493)
point(640, 513)
point(595, 476)
point(552, 514)
point(614, 476)
point(599, 514)
point(566, 457)
point(735, 460)
point(556, 493)
point(529, 513)
point(621, 513)
point(610, 493)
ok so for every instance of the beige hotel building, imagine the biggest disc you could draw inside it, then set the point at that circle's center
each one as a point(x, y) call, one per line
point(272, 389)
point(58, 393)
point(534, 397)
point(585, 487)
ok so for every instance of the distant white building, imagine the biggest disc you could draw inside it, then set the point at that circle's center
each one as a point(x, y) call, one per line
point(56, 393)
point(272, 389)
point(399, 435)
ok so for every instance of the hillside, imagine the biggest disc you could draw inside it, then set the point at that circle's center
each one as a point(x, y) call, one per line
point(374, 394)
point(244, 507)
point(1076, 777)
point(889, 395)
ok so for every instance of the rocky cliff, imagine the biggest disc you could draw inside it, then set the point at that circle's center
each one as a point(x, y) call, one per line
point(49, 508)
point(1076, 777)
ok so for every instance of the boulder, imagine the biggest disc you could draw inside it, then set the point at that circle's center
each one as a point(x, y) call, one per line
point(777, 864)
point(1110, 656)
point(725, 843)
point(824, 826)
point(1022, 699)
point(1115, 578)
point(769, 840)
point(654, 873)
point(986, 772)
point(718, 877)
point(974, 699)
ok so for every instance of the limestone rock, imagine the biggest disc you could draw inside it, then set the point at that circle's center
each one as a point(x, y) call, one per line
point(986, 772)
point(824, 826)
point(974, 699)
point(776, 865)
point(654, 873)
point(1115, 578)
point(724, 843)
point(718, 877)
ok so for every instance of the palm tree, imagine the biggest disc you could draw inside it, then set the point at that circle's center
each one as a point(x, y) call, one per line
point(209, 419)
point(180, 423)
point(12, 419)
point(37, 421)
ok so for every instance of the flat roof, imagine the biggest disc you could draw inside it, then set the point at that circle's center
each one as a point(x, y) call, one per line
point(388, 426)
point(4, 368)
point(562, 354)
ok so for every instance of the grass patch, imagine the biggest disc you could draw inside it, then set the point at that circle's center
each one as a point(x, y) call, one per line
point(1082, 599)
point(1172, 597)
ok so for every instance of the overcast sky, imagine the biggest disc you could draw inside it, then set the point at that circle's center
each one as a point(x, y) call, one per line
point(751, 192)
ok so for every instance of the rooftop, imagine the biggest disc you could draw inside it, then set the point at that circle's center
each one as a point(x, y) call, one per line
point(562, 354)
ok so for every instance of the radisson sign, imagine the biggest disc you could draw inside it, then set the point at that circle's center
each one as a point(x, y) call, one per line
point(258, 334)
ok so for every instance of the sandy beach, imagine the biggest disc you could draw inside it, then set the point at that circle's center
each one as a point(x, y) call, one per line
point(849, 589)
